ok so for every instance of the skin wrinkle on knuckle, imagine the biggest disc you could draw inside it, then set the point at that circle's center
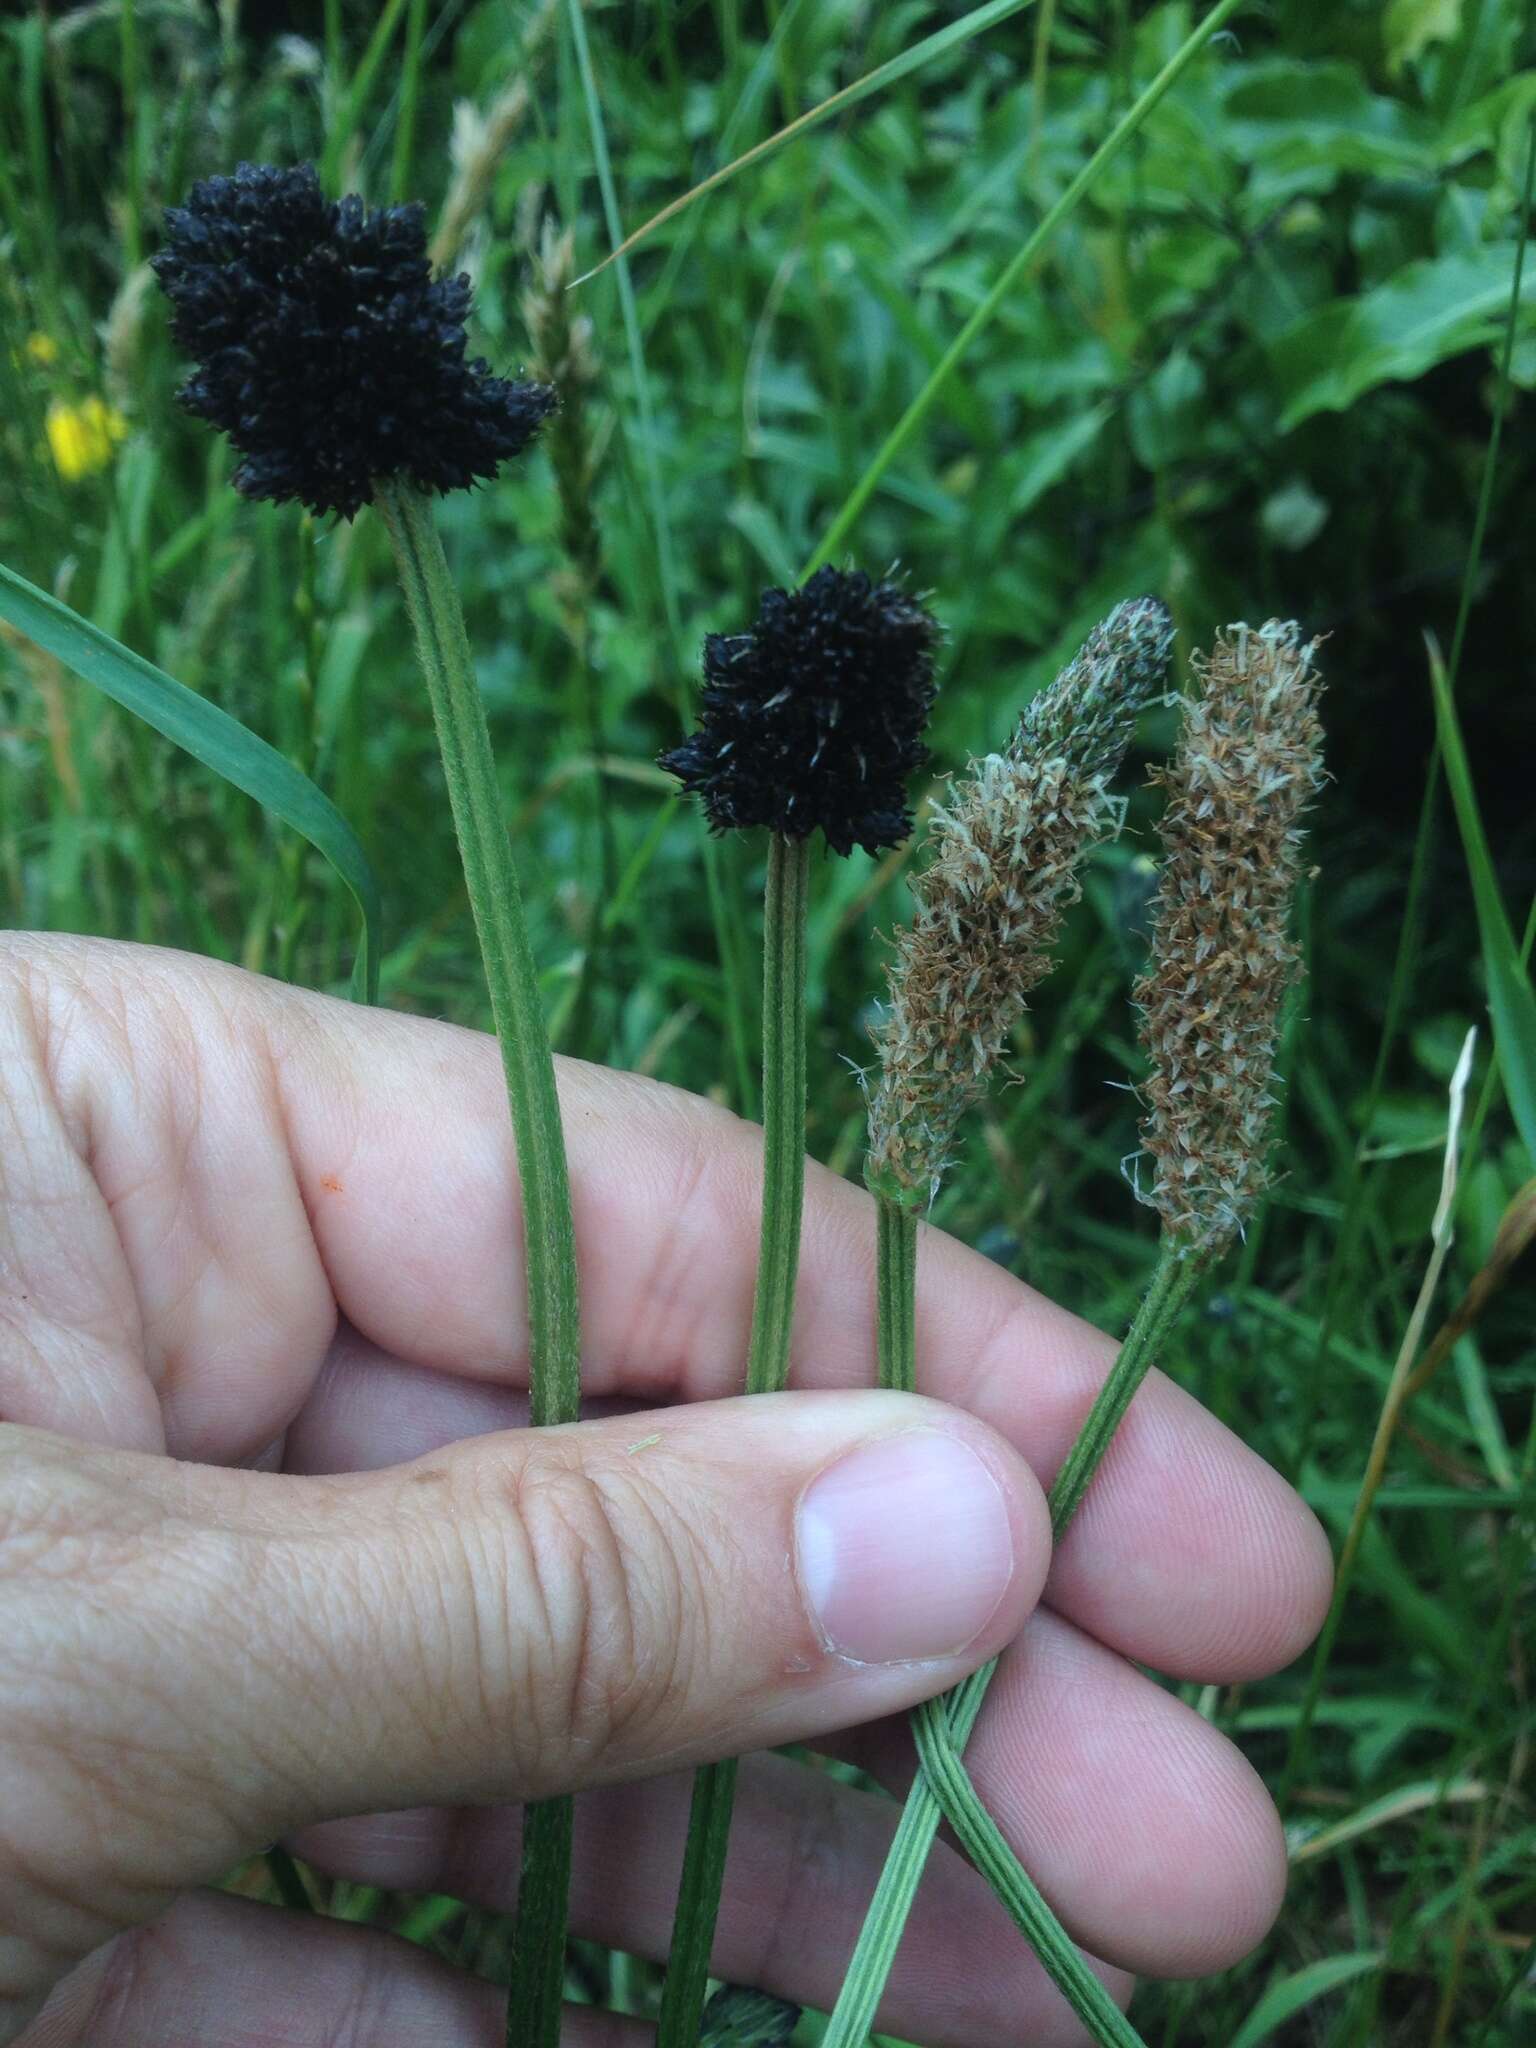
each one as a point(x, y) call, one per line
point(581, 1611)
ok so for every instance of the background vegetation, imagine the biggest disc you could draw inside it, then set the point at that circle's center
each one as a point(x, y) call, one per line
point(1255, 373)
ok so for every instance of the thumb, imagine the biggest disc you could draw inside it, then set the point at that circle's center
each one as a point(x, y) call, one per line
point(536, 1611)
point(509, 1617)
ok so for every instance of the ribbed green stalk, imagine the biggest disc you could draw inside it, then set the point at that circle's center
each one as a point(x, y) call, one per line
point(698, 1905)
point(714, 1786)
point(538, 1932)
point(554, 1353)
point(1172, 1284)
point(896, 1310)
point(942, 1727)
point(984, 1842)
point(778, 1250)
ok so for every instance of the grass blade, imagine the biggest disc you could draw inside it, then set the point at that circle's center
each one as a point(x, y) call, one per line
point(973, 24)
point(728, 943)
point(210, 736)
point(1293, 1993)
point(1049, 222)
point(1511, 1002)
point(350, 112)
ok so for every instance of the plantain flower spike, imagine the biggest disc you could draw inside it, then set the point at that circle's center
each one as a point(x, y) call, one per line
point(1005, 852)
point(1248, 763)
point(325, 348)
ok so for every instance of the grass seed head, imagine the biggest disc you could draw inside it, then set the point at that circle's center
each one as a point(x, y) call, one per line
point(1248, 763)
point(1005, 852)
point(326, 350)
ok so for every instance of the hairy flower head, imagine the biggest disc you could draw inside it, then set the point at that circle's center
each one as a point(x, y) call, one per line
point(1248, 762)
point(814, 716)
point(326, 350)
point(1005, 851)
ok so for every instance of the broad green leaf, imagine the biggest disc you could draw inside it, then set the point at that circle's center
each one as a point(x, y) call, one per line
point(1430, 310)
point(1408, 27)
point(1061, 209)
point(211, 736)
point(1309, 123)
point(1510, 999)
point(1047, 456)
point(1291, 1994)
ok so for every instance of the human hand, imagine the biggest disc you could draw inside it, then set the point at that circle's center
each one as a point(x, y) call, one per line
point(262, 1568)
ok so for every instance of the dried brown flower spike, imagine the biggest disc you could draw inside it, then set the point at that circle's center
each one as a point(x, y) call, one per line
point(1005, 855)
point(1248, 763)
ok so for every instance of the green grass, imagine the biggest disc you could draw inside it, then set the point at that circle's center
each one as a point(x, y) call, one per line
point(1255, 371)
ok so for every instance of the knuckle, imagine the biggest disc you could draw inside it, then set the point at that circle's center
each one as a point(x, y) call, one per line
point(586, 1609)
point(94, 1749)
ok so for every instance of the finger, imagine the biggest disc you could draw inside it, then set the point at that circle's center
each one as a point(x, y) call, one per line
point(805, 1853)
point(1147, 1830)
point(217, 1972)
point(392, 1132)
point(369, 1410)
point(1151, 1835)
point(516, 1616)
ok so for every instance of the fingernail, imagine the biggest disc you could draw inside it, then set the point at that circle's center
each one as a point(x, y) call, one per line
point(905, 1549)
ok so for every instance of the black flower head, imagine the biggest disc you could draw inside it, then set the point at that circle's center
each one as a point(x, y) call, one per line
point(326, 350)
point(815, 716)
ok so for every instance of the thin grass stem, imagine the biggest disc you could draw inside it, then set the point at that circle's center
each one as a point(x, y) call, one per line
point(714, 1786)
point(896, 1279)
point(942, 1727)
point(288, 1879)
point(984, 1842)
point(554, 1364)
point(698, 1905)
point(1393, 1404)
point(715, 856)
point(1344, 1270)
point(789, 870)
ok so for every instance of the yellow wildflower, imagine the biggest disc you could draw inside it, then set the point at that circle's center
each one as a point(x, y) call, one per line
point(82, 437)
point(42, 348)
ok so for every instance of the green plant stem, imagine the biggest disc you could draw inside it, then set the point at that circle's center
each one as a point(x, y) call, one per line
point(410, 93)
point(778, 1256)
point(698, 1905)
point(896, 1308)
point(1163, 1303)
point(714, 1786)
point(133, 127)
point(716, 854)
point(288, 1879)
point(943, 1726)
point(1405, 964)
point(984, 1842)
point(554, 1335)
point(538, 1932)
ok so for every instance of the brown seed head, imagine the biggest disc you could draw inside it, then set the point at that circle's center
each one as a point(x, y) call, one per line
point(1248, 763)
point(1005, 852)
